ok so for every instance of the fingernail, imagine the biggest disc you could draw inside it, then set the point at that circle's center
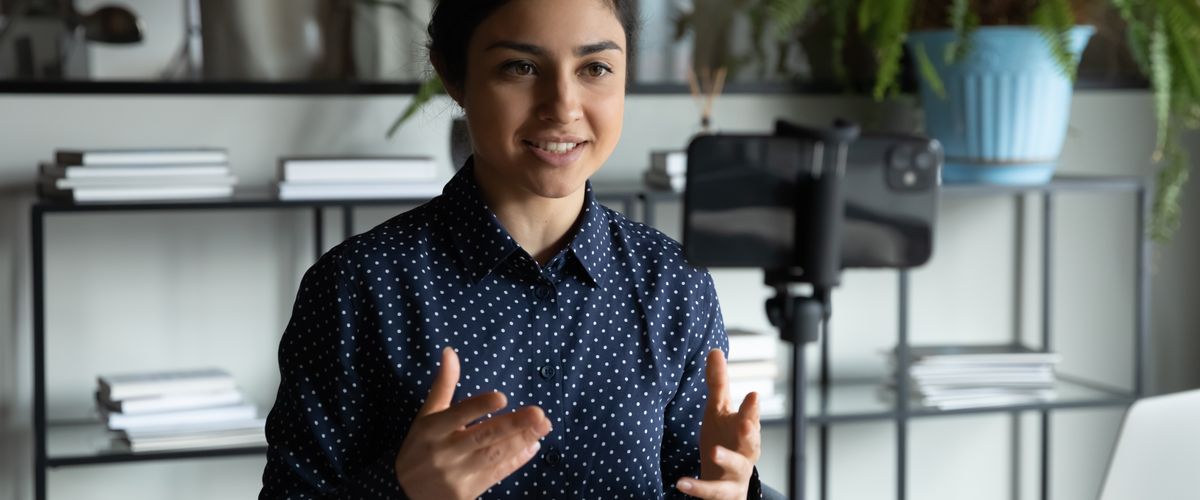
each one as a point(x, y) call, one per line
point(684, 484)
point(720, 453)
point(533, 448)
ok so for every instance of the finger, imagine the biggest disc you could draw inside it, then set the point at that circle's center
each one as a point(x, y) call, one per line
point(733, 461)
point(468, 410)
point(493, 463)
point(717, 378)
point(710, 489)
point(489, 432)
point(442, 391)
point(749, 408)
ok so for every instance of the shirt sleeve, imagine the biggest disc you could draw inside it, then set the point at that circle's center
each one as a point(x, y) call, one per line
point(685, 412)
point(323, 439)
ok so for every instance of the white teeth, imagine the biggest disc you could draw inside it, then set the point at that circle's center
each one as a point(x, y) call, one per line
point(557, 147)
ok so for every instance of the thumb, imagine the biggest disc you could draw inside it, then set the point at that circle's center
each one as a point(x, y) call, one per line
point(717, 379)
point(442, 392)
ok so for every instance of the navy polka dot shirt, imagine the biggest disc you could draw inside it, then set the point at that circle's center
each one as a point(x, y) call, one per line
point(609, 339)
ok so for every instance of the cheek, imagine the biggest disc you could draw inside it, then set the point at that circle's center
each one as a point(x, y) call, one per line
point(608, 118)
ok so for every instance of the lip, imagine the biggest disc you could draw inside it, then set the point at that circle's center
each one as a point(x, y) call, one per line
point(559, 159)
point(557, 138)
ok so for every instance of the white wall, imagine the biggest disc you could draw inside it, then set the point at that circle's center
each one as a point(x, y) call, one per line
point(160, 289)
point(128, 291)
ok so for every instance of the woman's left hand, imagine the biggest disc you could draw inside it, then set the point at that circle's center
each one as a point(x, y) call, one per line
point(730, 440)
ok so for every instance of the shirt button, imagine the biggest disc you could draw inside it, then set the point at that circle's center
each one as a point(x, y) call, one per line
point(548, 371)
point(543, 291)
point(552, 456)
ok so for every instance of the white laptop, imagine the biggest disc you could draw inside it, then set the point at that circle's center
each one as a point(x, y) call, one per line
point(1158, 452)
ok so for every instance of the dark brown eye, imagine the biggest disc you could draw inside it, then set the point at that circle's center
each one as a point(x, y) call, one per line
point(519, 68)
point(598, 70)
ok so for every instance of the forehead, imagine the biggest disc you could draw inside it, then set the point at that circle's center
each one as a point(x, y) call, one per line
point(552, 24)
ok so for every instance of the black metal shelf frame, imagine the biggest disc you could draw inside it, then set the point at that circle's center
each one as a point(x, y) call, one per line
point(823, 415)
point(902, 411)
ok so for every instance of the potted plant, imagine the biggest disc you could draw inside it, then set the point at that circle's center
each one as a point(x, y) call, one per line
point(1163, 35)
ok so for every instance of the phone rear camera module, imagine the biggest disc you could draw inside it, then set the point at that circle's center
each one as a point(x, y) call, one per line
point(900, 157)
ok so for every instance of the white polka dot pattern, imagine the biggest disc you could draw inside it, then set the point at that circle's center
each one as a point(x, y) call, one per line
point(609, 338)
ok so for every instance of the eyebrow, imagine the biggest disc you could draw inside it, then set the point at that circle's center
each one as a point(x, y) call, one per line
point(580, 51)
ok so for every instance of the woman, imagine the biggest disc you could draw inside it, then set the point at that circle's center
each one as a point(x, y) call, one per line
point(408, 343)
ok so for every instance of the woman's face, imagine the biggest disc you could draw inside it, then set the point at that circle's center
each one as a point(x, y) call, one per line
point(545, 94)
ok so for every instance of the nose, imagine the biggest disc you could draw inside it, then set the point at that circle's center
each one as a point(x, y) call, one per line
point(560, 100)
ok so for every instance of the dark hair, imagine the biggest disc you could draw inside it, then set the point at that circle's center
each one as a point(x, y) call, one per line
point(454, 21)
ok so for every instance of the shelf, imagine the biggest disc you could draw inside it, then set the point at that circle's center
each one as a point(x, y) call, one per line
point(335, 87)
point(865, 400)
point(257, 198)
point(89, 443)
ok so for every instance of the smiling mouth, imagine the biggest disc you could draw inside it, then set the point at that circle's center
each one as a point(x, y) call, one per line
point(557, 148)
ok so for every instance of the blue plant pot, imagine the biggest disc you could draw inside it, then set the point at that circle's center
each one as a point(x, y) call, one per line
point(1007, 104)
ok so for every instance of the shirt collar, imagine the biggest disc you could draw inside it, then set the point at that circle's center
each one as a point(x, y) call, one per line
point(483, 244)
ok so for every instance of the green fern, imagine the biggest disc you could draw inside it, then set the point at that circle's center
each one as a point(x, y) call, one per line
point(429, 88)
point(928, 72)
point(1136, 32)
point(1054, 19)
point(1168, 200)
point(964, 22)
point(787, 15)
point(1160, 79)
point(888, 30)
point(1180, 27)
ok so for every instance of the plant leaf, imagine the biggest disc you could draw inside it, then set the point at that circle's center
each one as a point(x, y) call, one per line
point(1169, 193)
point(964, 22)
point(1161, 73)
point(928, 71)
point(1054, 19)
point(429, 88)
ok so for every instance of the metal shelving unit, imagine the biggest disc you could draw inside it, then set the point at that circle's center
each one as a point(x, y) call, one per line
point(79, 443)
point(830, 402)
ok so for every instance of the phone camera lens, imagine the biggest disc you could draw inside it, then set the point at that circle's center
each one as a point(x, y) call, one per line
point(901, 158)
point(924, 160)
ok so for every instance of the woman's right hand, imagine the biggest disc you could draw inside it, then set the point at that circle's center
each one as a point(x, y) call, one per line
point(443, 458)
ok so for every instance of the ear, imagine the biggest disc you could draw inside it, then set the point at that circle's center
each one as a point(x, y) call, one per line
point(439, 65)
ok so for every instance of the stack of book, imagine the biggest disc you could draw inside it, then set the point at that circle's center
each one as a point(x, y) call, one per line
point(969, 376)
point(320, 178)
point(137, 174)
point(177, 410)
point(668, 170)
point(752, 367)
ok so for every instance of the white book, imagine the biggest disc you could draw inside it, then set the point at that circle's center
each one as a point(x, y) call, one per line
point(155, 193)
point(195, 429)
point(246, 433)
point(671, 163)
point(745, 345)
point(738, 370)
point(245, 411)
point(119, 386)
point(738, 389)
point(376, 190)
point(147, 171)
point(350, 170)
point(185, 401)
point(131, 156)
point(145, 182)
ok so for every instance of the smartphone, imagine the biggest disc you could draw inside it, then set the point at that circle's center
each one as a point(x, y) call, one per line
point(742, 192)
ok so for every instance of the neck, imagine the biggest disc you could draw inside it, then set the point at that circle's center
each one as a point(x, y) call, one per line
point(542, 226)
